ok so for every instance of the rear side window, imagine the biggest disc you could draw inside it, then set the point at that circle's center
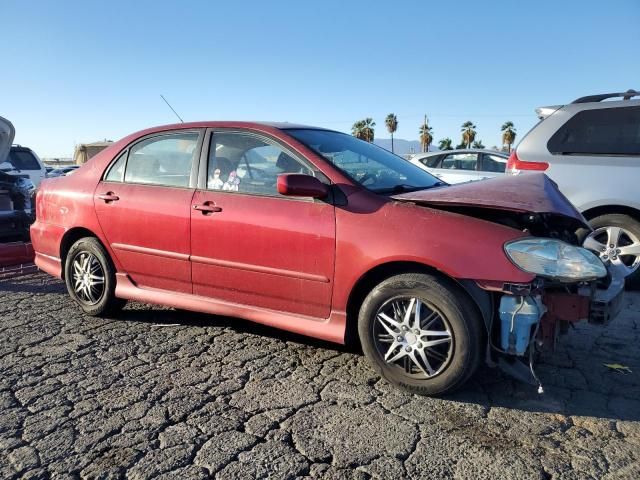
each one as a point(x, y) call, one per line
point(164, 160)
point(460, 161)
point(493, 163)
point(604, 131)
point(23, 160)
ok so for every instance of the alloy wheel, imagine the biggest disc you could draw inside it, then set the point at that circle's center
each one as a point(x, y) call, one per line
point(413, 336)
point(88, 278)
point(616, 245)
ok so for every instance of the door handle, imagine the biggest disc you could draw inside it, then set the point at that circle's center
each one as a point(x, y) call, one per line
point(207, 207)
point(108, 197)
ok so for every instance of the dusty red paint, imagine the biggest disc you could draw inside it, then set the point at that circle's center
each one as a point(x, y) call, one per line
point(287, 262)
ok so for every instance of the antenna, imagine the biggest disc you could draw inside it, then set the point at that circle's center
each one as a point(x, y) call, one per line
point(165, 101)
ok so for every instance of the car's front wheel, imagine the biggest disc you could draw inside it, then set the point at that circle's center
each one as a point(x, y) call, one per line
point(421, 333)
point(90, 278)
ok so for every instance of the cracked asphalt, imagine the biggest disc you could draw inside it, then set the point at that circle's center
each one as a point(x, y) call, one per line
point(156, 393)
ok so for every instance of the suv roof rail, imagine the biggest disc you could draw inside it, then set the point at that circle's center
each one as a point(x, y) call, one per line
point(603, 96)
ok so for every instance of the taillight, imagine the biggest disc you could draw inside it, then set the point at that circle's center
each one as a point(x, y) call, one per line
point(515, 165)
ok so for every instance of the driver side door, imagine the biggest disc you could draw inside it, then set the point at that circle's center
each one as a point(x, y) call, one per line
point(252, 246)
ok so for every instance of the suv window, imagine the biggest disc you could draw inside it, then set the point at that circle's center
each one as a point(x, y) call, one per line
point(460, 161)
point(603, 131)
point(246, 163)
point(493, 163)
point(23, 160)
point(163, 160)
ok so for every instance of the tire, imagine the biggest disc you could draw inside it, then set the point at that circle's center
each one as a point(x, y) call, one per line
point(455, 314)
point(97, 300)
point(630, 234)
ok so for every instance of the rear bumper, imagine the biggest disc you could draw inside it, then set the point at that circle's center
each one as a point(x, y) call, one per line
point(51, 265)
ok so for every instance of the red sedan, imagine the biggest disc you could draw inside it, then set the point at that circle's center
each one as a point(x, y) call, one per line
point(316, 232)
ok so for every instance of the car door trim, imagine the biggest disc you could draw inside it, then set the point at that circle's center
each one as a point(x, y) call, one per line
point(260, 269)
point(150, 251)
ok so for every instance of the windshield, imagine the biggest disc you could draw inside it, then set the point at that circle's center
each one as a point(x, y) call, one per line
point(369, 165)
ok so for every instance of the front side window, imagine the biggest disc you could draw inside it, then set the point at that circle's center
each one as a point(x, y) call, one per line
point(246, 163)
point(460, 161)
point(372, 167)
point(494, 163)
point(602, 131)
point(162, 160)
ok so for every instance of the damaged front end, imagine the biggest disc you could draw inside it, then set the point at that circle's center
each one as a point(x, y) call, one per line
point(572, 285)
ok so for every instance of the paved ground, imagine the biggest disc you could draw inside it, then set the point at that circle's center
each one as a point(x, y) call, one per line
point(138, 397)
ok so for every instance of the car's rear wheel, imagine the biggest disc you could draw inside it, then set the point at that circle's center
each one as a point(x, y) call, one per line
point(616, 238)
point(90, 278)
point(421, 333)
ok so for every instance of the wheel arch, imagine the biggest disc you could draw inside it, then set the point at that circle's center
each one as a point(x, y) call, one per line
point(480, 298)
point(70, 237)
point(594, 212)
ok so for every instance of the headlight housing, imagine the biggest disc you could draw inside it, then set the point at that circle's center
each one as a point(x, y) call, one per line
point(555, 259)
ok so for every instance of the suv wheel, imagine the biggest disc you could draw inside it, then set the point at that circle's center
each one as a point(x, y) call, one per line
point(616, 238)
point(421, 333)
point(91, 278)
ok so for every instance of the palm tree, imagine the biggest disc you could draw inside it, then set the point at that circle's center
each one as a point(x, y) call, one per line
point(508, 134)
point(477, 144)
point(468, 133)
point(363, 129)
point(445, 144)
point(426, 136)
point(392, 125)
point(357, 130)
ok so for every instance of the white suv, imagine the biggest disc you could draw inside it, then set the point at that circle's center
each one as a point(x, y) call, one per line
point(16, 159)
point(591, 149)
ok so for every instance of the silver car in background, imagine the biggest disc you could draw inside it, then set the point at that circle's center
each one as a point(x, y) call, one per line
point(459, 166)
point(591, 149)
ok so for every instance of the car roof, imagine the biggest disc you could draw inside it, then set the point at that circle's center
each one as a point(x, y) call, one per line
point(461, 150)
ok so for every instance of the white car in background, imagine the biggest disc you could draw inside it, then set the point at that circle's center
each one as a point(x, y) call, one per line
point(460, 166)
point(18, 159)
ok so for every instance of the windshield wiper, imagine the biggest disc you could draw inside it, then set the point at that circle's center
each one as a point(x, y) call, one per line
point(404, 188)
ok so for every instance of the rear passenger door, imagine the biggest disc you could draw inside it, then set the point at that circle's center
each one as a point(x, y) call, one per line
point(143, 204)
point(458, 167)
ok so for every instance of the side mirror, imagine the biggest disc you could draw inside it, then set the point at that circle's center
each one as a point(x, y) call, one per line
point(300, 185)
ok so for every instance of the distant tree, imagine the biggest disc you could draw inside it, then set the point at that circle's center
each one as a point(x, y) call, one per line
point(392, 125)
point(357, 130)
point(508, 135)
point(477, 144)
point(461, 146)
point(468, 133)
point(364, 129)
point(445, 144)
point(426, 135)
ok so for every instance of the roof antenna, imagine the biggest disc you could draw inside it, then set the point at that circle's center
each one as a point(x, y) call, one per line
point(165, 101)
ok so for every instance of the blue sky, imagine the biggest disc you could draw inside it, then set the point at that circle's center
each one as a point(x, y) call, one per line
point(83, 71)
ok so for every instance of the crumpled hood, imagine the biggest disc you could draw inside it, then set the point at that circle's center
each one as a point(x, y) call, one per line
point(7, 134)
point(528, 193)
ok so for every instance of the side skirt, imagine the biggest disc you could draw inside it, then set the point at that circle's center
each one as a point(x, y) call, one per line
point(331, 329)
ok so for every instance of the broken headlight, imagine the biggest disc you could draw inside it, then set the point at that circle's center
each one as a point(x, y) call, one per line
point(555, 259)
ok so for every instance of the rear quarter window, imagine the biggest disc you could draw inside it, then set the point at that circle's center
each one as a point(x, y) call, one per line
point(603, 131)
